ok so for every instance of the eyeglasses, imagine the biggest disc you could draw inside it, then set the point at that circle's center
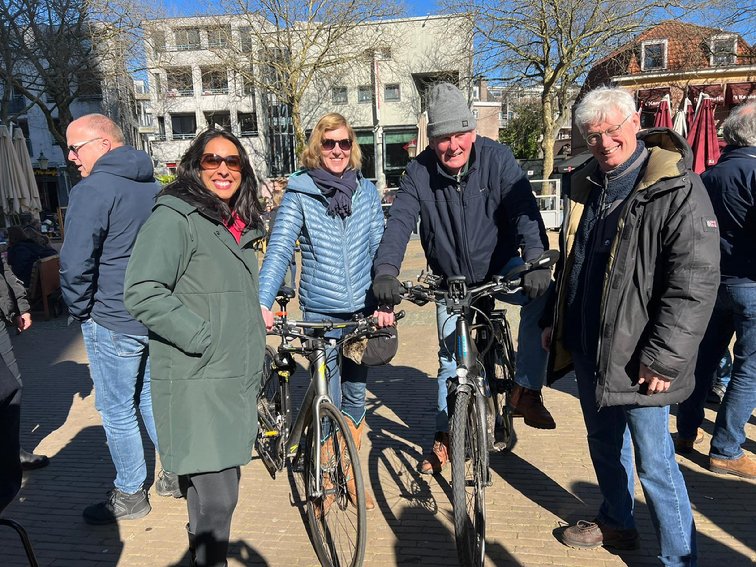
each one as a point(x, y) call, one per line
point(345, 144)
point(76, 147)
point(593, 138)
point(214, 161)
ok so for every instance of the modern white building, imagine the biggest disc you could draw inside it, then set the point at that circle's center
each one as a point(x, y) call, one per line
point(380, 91)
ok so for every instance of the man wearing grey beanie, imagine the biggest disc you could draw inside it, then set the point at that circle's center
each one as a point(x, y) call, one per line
point(478, 218)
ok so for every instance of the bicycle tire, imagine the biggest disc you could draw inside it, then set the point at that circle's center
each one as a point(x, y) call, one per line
point(338, 526)
point(273, 415)
point(469, 479)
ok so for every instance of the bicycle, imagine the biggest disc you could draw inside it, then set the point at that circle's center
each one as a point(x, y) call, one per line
point(328, 458)
point(481, 417)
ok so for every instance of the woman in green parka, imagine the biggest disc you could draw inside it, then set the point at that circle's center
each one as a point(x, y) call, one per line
point(192, 280)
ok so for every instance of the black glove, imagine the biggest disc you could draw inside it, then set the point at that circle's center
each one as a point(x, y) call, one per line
point(387, 290)
point(535, 283)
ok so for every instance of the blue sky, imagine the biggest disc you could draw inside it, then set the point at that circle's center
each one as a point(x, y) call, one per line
point(190, 7)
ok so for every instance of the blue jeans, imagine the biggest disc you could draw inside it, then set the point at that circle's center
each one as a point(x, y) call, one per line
point(531, 358)
point(347, 380)
point(612, 434)
point(734, 312)
point(120, 370)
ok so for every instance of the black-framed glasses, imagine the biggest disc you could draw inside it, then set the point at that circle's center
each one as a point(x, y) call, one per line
point(76, 147)
point(593, 138)
point(328, 144)
point(214, 161)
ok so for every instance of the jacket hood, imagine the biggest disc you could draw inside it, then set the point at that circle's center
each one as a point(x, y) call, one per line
point(669, 140)
point(126, 162)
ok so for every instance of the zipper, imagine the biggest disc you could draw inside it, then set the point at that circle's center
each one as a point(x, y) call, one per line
point(590, 253)
point(458, 188)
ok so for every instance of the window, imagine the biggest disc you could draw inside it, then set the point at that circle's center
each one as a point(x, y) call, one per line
point(214, 81)
point(391, 93)
point(339, 95)
point(56, 128)
point(158, 41)
point(184, 126)
point(245, 39)
point(723, 50)
point(218, 36)
point(654, 55)
point(248, 83)
point(157, 83)
point(247, 124)
point(364, 94)
point(17, 102)
point(180, 82)
point(220, 118)
point(187, 39)
point(89, 85)
point(24, 125)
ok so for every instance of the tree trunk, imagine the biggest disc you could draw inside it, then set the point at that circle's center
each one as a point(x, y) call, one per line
point(547, 143)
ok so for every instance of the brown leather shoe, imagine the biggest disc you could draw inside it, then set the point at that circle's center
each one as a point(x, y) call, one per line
point(587, 535)
point(743, 467)
point(685, 446)
point(439, 455)
point(529, 404)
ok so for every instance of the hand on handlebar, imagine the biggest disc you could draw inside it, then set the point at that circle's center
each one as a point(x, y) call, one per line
point(536, 282)
point(385, 317)
point(387, 290)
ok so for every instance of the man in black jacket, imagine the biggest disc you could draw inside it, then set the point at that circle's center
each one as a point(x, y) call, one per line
point(732, 188)
point(635, 288)
point(105, 212)
point(477, 215)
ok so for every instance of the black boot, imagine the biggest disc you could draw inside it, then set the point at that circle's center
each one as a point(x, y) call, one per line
point(192, 547)
point(30, 461)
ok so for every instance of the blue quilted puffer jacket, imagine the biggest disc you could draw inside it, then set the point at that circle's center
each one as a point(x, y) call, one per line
point(337, 254)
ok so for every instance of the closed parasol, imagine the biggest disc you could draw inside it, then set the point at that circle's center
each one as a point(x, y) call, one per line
point(703, 136)
point(663, 116)
point(12, 182)
point(30, 200)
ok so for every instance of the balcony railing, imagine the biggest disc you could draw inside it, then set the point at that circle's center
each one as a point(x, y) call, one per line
point(183, 135)
point(215, 91)
point(180, 92)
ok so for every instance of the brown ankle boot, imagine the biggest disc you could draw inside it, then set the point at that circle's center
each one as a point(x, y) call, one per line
point(327, 459)
point(529, 404)
point(439, 455)
point(742, 466)
point(351, 488)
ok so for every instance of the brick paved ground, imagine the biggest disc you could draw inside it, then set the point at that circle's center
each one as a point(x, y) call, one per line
point(545, 482)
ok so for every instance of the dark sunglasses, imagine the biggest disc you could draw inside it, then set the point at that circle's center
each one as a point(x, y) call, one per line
point(345, 144)
point(214, 161)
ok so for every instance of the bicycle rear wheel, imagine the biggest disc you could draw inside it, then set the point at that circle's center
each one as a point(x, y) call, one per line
point(336, 516)
point(273, 416)
point(469, 477)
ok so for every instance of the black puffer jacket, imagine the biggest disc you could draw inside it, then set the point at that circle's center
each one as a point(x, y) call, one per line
point(661, 279)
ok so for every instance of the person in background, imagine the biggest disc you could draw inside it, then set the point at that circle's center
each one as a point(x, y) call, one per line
point(335, 213)
point(23, 252)
point(106, 209)
point(732, 188)
point(14, 311)
point(478, 218)
point(636, 281)
point(192, 281)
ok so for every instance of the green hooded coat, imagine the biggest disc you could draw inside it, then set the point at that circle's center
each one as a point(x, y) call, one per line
point(196, 290)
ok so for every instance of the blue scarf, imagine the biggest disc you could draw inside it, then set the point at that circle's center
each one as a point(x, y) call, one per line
point(338, 190)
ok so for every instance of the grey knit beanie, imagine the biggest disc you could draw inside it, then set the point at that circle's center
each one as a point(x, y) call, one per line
point(448, 112)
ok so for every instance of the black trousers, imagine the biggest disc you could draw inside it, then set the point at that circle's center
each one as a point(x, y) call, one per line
point(211, 499)
point(10, 421)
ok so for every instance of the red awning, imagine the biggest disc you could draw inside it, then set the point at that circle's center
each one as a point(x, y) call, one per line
point(649, 99)
point(715, 92)
point(740, 93)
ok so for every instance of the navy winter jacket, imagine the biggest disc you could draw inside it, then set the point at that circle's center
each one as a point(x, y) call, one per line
point(105, 212)
point(470, 224)
point(337, 253)
point(732, 189)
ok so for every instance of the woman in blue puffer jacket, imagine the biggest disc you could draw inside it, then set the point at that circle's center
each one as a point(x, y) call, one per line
point(336, 215)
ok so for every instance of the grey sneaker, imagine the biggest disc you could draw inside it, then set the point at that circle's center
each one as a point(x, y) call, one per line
point(167, 484)
point(118, 506)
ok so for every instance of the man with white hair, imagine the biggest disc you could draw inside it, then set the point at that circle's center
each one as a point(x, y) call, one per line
point(635, 288)
point(732, 188)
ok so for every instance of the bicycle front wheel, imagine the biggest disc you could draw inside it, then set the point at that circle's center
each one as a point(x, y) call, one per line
point(469, 477)
point(336, 514)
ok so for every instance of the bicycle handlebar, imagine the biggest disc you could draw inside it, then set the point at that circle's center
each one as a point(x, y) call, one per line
point(507, 283)
point(362, 326)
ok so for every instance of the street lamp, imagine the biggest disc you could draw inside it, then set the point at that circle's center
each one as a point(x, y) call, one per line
point(43, 161)
point(411, 149)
